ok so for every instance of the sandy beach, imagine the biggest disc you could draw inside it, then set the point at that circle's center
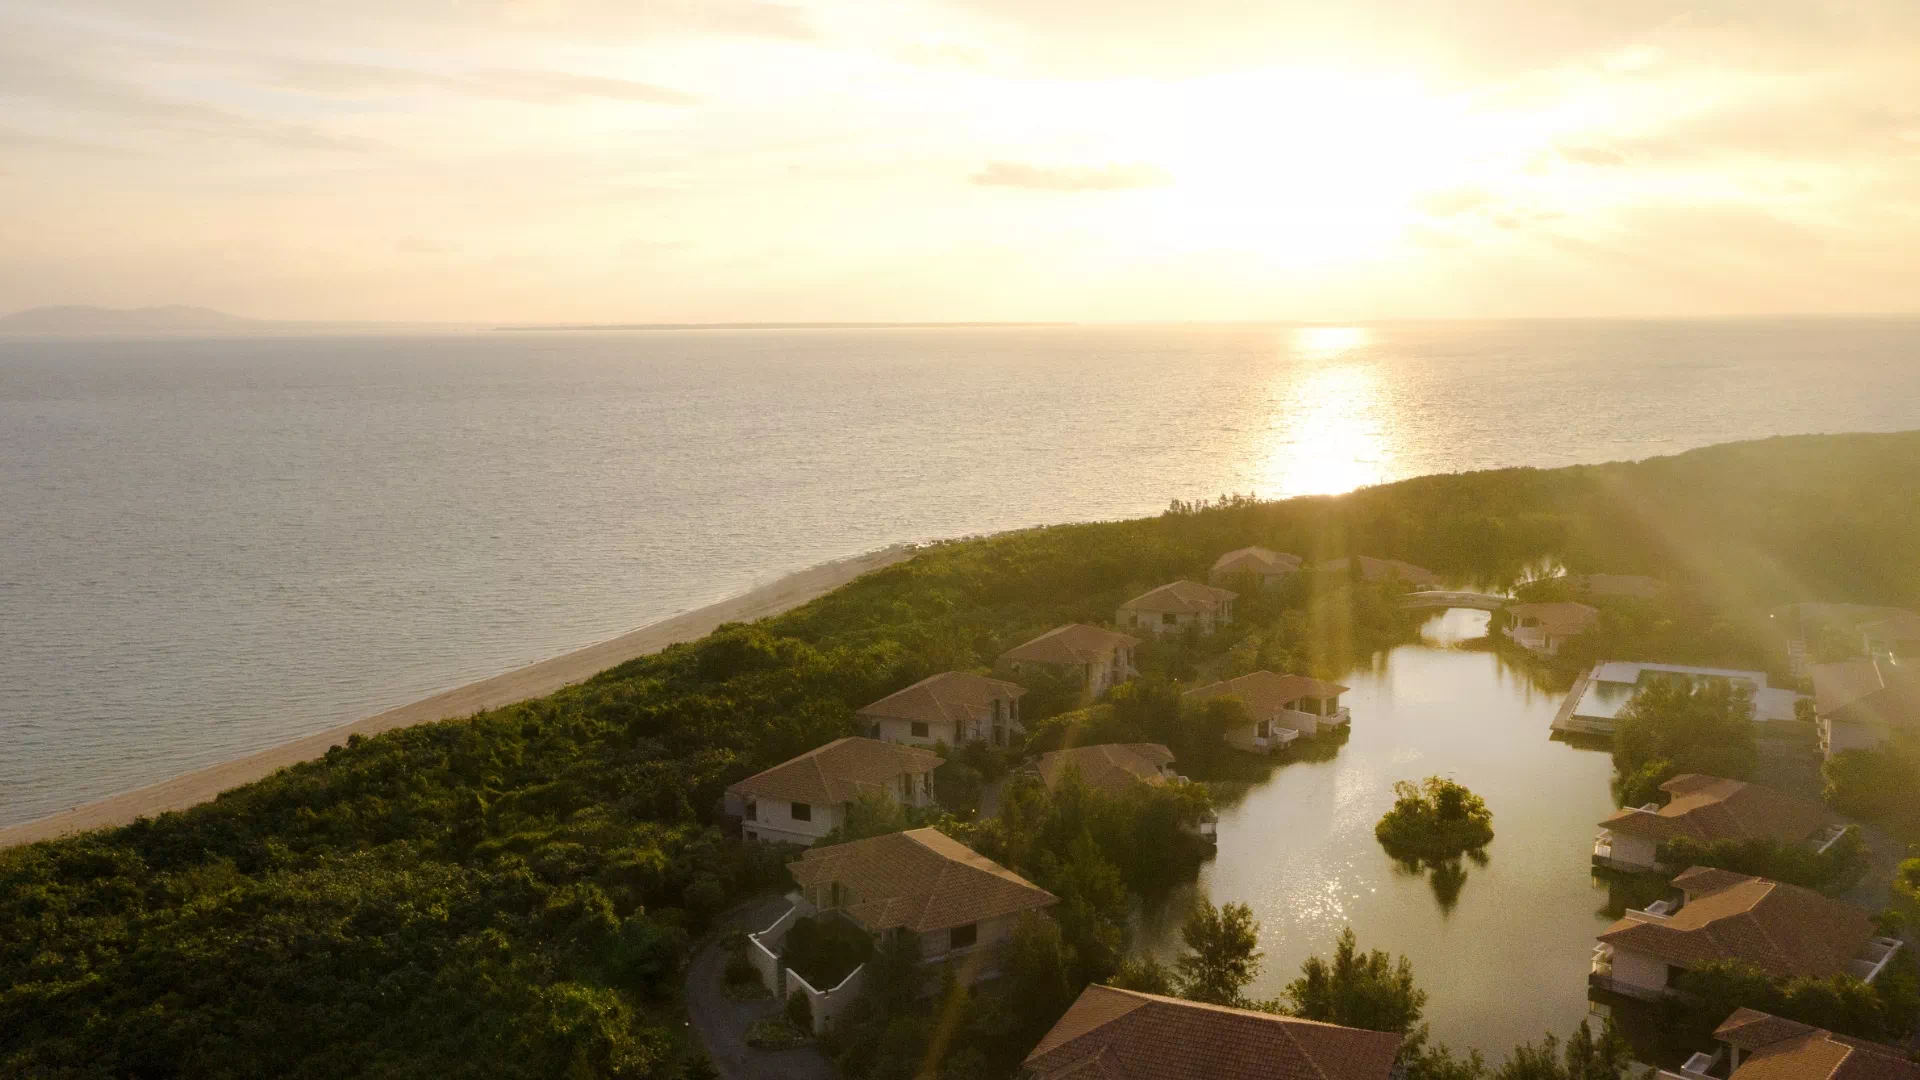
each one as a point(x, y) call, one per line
point(534, 680)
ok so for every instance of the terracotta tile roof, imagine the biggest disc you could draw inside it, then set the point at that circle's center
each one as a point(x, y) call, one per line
point(1074, 643)
point(1258, 560)
point(949, 696)
point(920, 879)
point(1180, 597)
point(1868, 692)
point(1789, 1050)
point(1112, 1034)
point(1708, 808)
point(838, 772)
point(1108, 767)
point(1265, 692)
point(1784, 930)
point(1373, 569)
point(1619, 585)
point(1561, 618)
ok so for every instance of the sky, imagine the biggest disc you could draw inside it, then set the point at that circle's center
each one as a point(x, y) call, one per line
point(737, 160)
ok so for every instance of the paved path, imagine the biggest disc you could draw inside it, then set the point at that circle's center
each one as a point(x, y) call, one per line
point(721, 1022)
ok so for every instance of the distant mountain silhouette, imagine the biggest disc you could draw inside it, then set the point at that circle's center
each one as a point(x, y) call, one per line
point(80, 319)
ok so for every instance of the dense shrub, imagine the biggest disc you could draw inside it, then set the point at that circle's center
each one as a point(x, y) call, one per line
point(1833, 871)
point(1671, 727)
point(1437, 818)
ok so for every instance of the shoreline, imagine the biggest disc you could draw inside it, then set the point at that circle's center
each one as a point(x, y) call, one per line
point(520, 684)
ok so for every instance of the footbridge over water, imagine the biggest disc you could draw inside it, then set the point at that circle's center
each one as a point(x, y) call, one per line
point(1440, 598)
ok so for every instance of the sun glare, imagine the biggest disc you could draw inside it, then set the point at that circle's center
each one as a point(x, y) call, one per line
point(1325, 431)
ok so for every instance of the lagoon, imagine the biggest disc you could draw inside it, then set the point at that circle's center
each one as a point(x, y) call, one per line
point(1504, 958)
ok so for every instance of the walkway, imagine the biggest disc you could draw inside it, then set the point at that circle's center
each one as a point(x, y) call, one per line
point(1441, 598)
point(721, 1022)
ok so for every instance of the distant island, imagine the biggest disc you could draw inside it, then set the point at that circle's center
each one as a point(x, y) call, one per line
point(84, 319)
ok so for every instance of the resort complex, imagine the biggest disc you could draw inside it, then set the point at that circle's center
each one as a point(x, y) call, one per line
point(1281, 708)
point(1270, 568)
point(1178, 608)
point(1783, 931)
point(948, 709)
point(1708, 809)
point(802, 800)
point(1094, 659)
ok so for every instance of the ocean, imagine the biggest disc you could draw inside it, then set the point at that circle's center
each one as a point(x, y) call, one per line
point(210, 546)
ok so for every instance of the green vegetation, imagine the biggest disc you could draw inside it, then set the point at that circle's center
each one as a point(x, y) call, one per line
point(824, 950)
point(1673, 727)
point(1436, 819)
point(513, 894)
point(1881, 784)
point(1833, 871)
point(1222, 954)
point(1884, 1010)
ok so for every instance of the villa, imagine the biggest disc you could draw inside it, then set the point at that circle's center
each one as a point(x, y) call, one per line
point(1379, 570)
point(1631, 586)
point(1109, 1033)
point(1710, 809)
point(1759, 1046)
point(1543, 628)
point(950, 708)
point(1270, 568)
point(1176, 608)
point(959, 907)
point(1783, 930)
point(1859, 704)
point(1282, 707)
point(1600, 695)
point(1097, 659)
point(802, 800)
point(1108, 767)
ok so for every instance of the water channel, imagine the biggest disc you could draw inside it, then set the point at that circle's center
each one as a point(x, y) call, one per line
point(1503, 953)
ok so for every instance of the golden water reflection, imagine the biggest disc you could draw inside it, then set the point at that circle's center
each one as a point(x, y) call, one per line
point(1328, 417)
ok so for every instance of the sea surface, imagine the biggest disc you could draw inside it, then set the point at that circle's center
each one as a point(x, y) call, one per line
point(208, 547)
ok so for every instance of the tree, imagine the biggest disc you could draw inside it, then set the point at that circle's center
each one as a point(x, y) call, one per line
point(1223, 953)
point(1583, 1058)
point(1437, 818)
point(1673, 726)
point(1040, 969)
point(1365, 990)
point(1092, 912)
point(1145, 974)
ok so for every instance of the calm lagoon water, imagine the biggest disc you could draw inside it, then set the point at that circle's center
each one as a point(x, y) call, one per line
point(211, 546)
point(1505, 958)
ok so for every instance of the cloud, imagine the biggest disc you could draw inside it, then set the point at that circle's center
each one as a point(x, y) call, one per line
point(551, 87)
point(28, 74)
point(1592, 155)
point(1016, 174)
point(1453, 201)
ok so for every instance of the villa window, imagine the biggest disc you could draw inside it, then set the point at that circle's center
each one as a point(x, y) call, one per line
point(919, 730)
point(1170, 619)
point(926, 783)
point(753, 810)
point(963, 937)
point(802, 811)
point(1265, 729)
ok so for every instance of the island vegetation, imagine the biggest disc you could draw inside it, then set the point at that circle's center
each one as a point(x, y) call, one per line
point(516, 894)
point(1434, 820)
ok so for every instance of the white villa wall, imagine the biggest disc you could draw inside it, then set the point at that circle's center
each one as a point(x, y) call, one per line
point(901, 731)
point(829, 1005)
point(774, 821)
point(1634, 852)
point(989, 944)
point(1635, 972)
point(763, 945)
